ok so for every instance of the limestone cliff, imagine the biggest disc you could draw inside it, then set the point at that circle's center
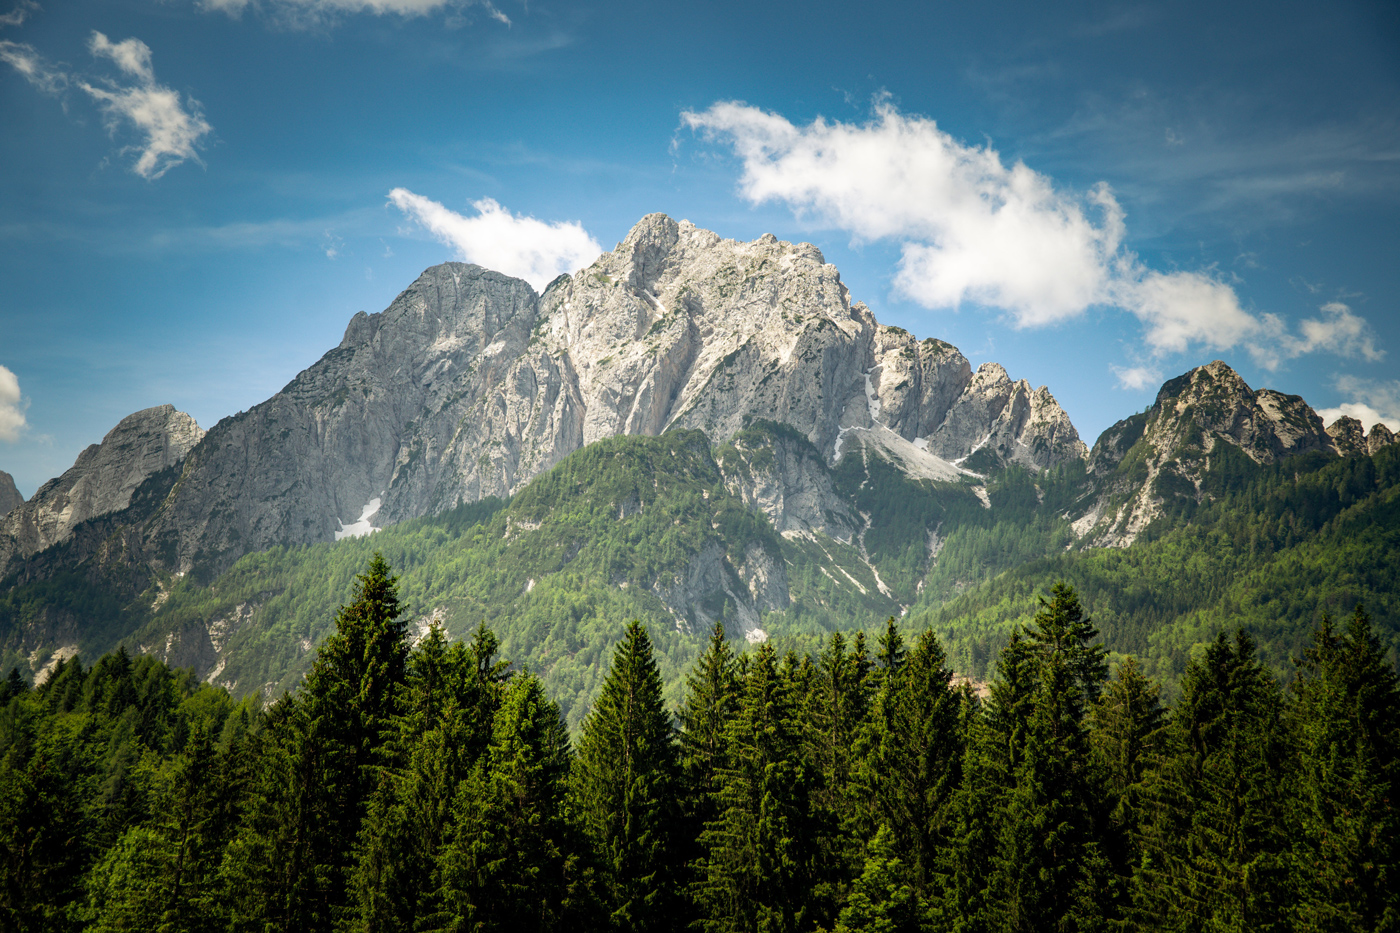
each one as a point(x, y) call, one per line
point(470, 384)
point(101, 480)
point(9, 495)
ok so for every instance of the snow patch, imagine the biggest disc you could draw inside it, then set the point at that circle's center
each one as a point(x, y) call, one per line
point(362, 526)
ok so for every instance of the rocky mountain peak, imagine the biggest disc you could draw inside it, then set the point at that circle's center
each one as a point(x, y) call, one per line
point(9, 495)
point(100, 481)
point(470, 384)
point(1144, 461)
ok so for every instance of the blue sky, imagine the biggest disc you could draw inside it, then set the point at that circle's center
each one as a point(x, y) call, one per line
point(196, 197)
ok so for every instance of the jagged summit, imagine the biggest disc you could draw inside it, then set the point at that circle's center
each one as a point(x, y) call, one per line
point(1141, 462)
point(470, 383)
point(101, 481)
point(9, 495)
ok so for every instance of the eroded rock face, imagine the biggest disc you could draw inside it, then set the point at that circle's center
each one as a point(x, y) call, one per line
point(100, 481)
point(1379, 437)
point(9, 495)
point(1348, 436)
point(1141, 462)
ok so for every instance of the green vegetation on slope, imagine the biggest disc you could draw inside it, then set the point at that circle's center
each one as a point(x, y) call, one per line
point(433, 789)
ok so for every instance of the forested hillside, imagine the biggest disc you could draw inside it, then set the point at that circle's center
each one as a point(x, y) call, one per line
point(435, 787)
point(1270, 548)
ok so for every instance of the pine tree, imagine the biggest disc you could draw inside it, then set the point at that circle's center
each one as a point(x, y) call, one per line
point(881, 900)
point(759, 865)
point(1050, 837)
point(1345, 716)
point(914, 767)
point(318, 762)
point(623, 787)
point(1126, 732)
point(711, 698)
point(449, 708)
point(1214, 829)
point(505, 866)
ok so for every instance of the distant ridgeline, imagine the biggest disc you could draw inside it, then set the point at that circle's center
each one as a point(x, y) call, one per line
point(693, 431)
point(435, 788)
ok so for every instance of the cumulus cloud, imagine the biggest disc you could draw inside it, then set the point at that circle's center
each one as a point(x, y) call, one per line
point(972, 228)
point(12, 422)
point(1372, 402)
point(316, 12)
point(1137, 377)
point(171, 127)
point(1338, 331)
point(524, 247)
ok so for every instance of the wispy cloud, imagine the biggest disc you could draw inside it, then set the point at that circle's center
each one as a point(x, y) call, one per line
point(973, 229)
point(45, 75)
point(12, 406)
point(170, 128)
point(19, 14)
point(308, 13)
point(534, 250)
point(1372, 401)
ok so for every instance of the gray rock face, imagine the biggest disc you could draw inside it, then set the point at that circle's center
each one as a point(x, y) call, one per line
point(470, 384)
point(100, 481)
point(785, 477)
point(1379, 437)
point(1140, 462)
point(1348, 436)
point(9, 495)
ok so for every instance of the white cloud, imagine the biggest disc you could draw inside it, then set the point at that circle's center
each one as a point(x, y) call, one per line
point(1338, 331)
point(524, 247)
point(1372, 402)
point(1137, 377)
point(12, 422)
point(974, 229)
point(317, 12)
point(172, 128)
point(35, 69)
point(19, 14)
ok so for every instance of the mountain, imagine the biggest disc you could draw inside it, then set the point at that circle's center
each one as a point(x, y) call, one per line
point(9, 496)
point(1151, 463)
point(470, 384)
point(101, 481)
point(689, 430)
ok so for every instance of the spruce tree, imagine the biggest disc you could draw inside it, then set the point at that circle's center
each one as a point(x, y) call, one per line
point(711, 698)
point(914, 765)
point(758, 869)
point(1345, 718)
point(1214, 831)
point(623, 785)
point(506, 864)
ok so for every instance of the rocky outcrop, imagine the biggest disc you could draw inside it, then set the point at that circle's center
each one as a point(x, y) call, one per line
point(101, 481)
point(1379, 437)
point(1348, 436)
point(774, 469)
point(9, 495)
point(1141, 463)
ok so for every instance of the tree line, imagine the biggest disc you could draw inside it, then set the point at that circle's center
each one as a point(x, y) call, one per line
point(433, 788)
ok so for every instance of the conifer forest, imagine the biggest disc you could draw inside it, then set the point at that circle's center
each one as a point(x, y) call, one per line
point(433, 786)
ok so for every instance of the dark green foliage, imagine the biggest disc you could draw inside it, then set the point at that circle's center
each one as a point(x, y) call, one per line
point(506, 863)
point(760, 853)
point(1214, 832)
point(1345, 715)
point(624, 784)
point(432, 789)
